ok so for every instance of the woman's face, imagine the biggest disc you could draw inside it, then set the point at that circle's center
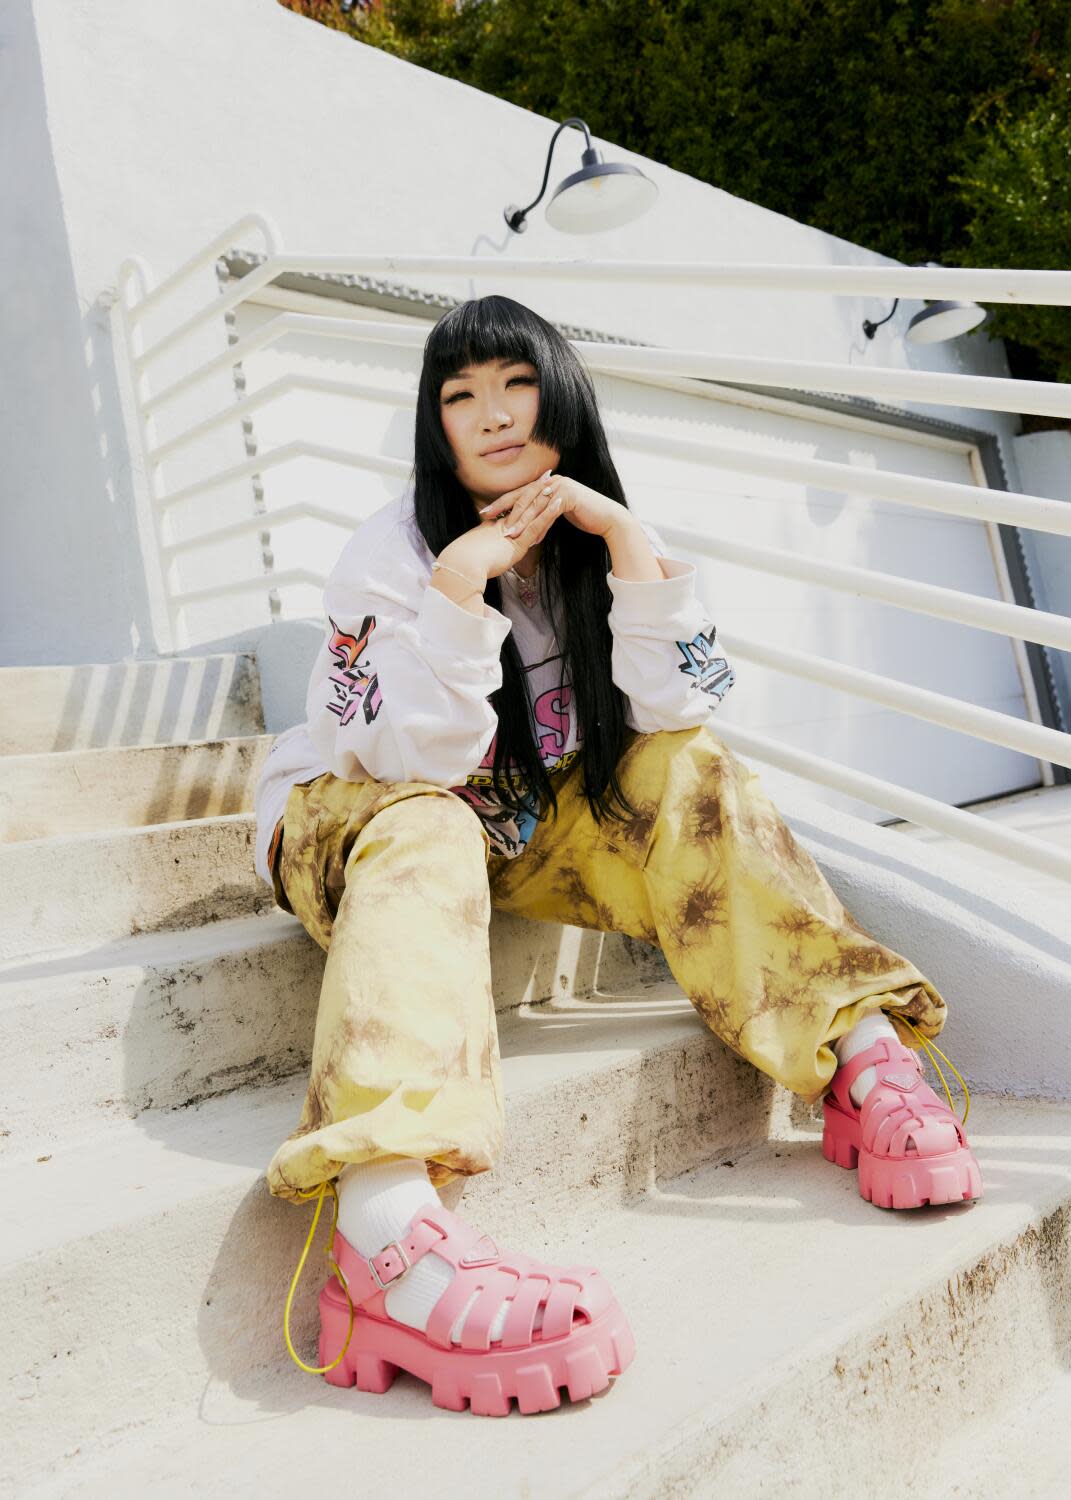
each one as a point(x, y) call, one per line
point(485, 407)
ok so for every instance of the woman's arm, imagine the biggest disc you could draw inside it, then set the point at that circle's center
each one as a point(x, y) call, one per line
point(400, 686)
point(664, 656)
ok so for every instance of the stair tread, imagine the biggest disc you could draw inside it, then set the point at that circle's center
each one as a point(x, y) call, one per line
point(133, 1168)
point(127, 834)
point(780, 1230)
point(9, 764)
point(168, 948)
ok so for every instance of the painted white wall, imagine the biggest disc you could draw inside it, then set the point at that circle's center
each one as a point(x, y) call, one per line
point(145, 129)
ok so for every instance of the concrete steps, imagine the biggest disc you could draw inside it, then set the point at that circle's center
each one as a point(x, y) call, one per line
point(149, 1257)
point(126, 799)
point(47, 795)
point(167, 1019)
point(86, 707)
point(145, 702)
point(791, 1338)
point(87, 888)
point(156, 1018)
point(1025, 1458)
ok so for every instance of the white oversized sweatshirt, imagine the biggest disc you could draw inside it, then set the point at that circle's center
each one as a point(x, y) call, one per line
point(400, 686)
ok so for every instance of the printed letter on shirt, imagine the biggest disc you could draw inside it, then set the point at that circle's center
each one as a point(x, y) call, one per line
point(354, 682)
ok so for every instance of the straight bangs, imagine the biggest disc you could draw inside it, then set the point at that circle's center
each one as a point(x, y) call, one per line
point(488, 329)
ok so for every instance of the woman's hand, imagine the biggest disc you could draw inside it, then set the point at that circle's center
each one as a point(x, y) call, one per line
point(488, 549)
point(585, 508)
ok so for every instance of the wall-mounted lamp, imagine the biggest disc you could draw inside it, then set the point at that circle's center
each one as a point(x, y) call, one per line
point(937, 321)
point(602, 195)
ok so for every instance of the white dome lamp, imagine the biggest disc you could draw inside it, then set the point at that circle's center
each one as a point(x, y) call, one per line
point(937, 321)
point(602, 195)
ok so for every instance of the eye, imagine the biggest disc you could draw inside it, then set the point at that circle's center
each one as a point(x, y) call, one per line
point(524, 379)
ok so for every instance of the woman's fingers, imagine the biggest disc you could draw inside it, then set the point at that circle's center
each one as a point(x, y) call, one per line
point(536, 520)
point(509, 502)
point(526, 511)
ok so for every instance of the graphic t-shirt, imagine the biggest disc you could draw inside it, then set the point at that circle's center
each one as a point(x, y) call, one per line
point(556, 728)
point(400, 687)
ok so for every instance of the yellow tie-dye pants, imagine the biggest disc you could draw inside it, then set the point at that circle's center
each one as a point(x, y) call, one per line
point(396, 882)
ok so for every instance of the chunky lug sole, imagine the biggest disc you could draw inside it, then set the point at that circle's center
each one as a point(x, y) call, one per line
point(582, 1360)
point(899, 1181)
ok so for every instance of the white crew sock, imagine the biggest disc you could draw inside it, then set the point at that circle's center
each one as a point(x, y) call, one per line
point(863, 1034)
point(376, 1202)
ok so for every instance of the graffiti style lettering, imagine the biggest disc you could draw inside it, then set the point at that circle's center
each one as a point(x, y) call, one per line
point(354, 681)
point(711, 674)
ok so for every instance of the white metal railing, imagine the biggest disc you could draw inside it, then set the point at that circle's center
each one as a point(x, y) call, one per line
point(1049, 288)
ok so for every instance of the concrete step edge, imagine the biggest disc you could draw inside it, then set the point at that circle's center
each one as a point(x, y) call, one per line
point(152, 1022)
point(123, 1247)
point(790, 1336)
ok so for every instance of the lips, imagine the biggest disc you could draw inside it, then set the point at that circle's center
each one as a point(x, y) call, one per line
point(503, 455)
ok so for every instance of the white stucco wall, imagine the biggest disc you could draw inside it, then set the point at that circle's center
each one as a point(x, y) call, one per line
point(144, 129)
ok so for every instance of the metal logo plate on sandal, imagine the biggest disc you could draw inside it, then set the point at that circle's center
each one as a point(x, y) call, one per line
point(906, 1081)
point(478, 1255)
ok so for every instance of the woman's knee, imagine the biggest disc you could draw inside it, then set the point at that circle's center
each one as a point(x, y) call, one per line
point(435, 813)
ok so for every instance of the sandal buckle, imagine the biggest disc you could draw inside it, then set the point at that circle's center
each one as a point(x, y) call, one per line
point(406, 1265)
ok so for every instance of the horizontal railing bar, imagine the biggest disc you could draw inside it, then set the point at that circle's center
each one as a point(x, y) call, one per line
point(275, 390)
point(923, 598)
point(975, 502)
point(930, 387)
point(1039, 288)
point(1042, 288)
point(914, 806)
point(1035, 740)
point(202, 257)
point(970, 828)
point(300, 510)
point(944, 496)
point(261, 463)
point(259, 338)
point(263, 582)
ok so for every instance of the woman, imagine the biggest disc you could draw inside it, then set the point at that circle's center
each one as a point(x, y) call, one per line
point(511, 709)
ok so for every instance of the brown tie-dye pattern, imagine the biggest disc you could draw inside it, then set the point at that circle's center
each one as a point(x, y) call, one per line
point(396, 881)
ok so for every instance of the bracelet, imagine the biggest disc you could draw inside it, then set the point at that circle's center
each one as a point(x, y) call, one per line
point(449, 569)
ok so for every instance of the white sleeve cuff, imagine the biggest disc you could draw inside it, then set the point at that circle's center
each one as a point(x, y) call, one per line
point(662, 607)
point(445, 628)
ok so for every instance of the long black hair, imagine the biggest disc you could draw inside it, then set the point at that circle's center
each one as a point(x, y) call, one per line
point(573, 564)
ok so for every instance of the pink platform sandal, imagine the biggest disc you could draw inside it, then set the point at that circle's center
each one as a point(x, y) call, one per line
point(909, 1146)
point(584, 1339)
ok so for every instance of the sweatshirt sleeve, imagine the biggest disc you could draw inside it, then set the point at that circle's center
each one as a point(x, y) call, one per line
point(664, 656)
point(400, 686)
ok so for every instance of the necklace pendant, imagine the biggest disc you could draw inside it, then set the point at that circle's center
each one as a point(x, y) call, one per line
point(527, 588)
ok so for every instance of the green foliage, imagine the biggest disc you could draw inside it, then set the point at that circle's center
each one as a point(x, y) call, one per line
point(1017, 188)
point(923, 129)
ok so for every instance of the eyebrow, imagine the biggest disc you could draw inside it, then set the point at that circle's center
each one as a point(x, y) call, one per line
point(502, 365)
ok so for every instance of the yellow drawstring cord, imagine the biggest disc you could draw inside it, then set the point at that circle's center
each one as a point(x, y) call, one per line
point(932, 1046)
point(335, 1267)
point(318, 1193)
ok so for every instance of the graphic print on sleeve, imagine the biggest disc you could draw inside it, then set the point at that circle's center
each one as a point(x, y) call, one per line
point(711, 674)
point(354, 682)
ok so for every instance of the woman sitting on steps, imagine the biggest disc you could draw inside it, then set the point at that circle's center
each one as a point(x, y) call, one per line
point(509, 652)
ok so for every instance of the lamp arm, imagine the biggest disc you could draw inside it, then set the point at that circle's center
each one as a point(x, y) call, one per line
point(870, 328)
point(521, 213)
